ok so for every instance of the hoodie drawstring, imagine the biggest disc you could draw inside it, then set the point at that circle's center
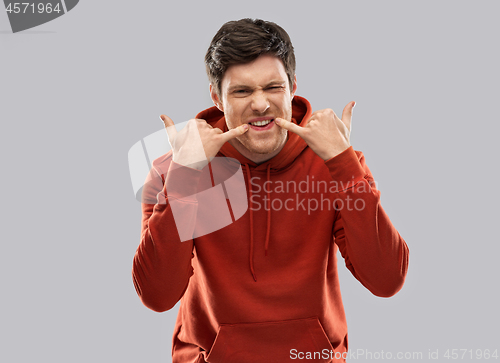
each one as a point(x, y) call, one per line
point(251, 224)
point(269, 210)
point(268, 230)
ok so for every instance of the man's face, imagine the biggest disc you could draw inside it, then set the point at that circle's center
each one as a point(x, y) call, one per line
point(256, 93)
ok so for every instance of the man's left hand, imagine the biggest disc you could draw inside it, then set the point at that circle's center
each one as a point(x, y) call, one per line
point(324, 132)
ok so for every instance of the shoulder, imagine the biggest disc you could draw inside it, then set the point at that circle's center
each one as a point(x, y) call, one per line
point(161, 164)
point(359, 155)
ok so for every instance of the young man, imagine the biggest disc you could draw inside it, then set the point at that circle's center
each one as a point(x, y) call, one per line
point(265, 287)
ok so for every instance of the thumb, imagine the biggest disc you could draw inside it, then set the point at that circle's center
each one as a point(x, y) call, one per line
point(169, 126)
point(347, 114)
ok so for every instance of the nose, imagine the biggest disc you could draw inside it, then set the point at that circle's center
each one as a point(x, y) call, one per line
point(260, 104)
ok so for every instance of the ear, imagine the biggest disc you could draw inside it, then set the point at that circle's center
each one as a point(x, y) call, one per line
point(294, 88)
point(215, 99)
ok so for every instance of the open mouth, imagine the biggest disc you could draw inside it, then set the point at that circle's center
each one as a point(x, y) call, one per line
point(261, 123)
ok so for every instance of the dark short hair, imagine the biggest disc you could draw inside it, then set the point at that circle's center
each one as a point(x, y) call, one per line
point(242, 41)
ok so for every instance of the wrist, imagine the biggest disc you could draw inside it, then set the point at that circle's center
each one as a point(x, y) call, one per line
point(333, 153)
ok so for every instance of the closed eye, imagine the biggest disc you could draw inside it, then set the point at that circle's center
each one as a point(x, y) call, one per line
point(241, 91)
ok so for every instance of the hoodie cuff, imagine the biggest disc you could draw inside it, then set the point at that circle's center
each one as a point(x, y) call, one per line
point(346, 169)
point(182, 182)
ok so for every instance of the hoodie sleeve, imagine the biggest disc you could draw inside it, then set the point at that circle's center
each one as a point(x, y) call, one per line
point(162, 263)
point(372, 248)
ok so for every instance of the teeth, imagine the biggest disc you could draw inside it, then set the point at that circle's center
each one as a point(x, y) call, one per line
point(260, 123)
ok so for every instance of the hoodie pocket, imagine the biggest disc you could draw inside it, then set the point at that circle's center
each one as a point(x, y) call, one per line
point(276, 341)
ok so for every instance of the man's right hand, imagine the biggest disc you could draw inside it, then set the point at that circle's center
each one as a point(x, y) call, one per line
point(196, 144)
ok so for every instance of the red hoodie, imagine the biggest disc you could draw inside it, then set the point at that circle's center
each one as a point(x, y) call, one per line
point(265, 287)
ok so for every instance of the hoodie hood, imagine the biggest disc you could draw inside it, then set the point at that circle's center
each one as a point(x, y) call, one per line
point(301, 111)
point(295, 145)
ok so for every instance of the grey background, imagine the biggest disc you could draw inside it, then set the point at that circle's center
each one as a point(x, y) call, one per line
point(78, 92)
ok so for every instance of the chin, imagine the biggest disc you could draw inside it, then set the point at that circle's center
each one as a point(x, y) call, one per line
point(259, 147)
point(264, 148)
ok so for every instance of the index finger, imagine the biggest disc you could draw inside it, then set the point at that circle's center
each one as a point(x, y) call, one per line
point(169, 126)
point(231, 134)
point(290, 126)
